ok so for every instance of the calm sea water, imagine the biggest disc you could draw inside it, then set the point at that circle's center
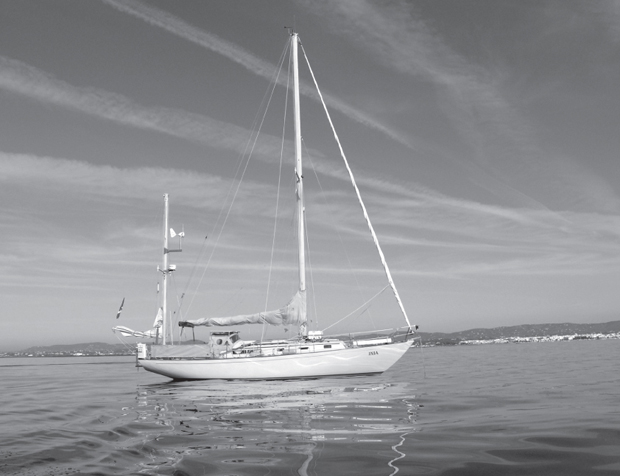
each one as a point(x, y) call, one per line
point(512, 409)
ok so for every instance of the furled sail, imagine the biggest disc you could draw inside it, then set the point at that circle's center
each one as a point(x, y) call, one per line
point(151, 333)
point(294, 313)
point(127, 332)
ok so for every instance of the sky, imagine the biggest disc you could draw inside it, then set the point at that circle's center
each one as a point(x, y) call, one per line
point(484, 137)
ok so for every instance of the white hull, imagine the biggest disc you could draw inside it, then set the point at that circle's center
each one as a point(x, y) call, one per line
point(351, 361)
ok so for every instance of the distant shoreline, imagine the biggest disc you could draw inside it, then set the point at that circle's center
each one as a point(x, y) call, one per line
point(429, 340)
point(521, 340)
point(13, 355)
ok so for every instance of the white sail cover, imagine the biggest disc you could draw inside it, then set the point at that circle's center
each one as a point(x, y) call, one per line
point(294, 313)
point(127, 332)
point(151, 333)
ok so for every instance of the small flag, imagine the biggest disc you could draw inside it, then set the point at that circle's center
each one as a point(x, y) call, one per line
point(120, 309)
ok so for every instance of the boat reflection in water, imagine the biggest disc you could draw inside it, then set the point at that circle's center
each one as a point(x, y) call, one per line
point(302, 427)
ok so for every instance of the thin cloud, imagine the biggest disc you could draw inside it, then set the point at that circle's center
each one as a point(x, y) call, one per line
point(464, 233)
point(501, 138)
point(20, 78)
point(76, 178)
point(28, 81)
point(609, 11)
point(409, 207)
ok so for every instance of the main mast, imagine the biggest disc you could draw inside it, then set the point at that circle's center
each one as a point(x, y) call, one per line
point(301, 233)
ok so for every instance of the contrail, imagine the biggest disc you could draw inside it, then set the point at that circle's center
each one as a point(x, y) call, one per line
point(242, 57)
point(20, 78)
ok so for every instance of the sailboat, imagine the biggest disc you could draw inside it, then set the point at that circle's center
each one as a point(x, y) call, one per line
point(308, 355)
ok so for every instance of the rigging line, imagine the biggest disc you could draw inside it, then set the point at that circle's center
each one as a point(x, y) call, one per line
point(252, 140)
point(308, 256)
point(359, 197)
point(275, 221)
point(124, 343)
point(181, 298)
point(358, 308)
point(335, 227)
point(378, 330)
point(150, 219)
point(177, 312)
point(171, 314)
point(316, 314)
point(192, 273)
point(191, 277)
point(195, 266)
point(216, 225)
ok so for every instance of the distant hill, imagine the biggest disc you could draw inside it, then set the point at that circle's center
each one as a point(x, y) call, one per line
point(436, 338)
point(524, 330)
point(92, 348)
